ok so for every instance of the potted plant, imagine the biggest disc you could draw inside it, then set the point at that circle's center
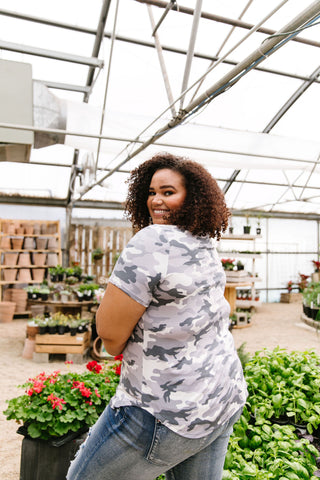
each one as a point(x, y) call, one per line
point(303, 282)
point(228, 263)
point(42, 324)
point(97, 254)
point(247, 227)
point(57, 409)
point(316, 274)
point(87, 290)
point(44, 293)
point(52, 325)
point(240, 265)
point(65, 296)
point(32, 292)
point(258, 228)
point(73, 326)
point(57, 273)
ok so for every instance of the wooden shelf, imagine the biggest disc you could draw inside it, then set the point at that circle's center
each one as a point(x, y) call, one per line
point(245, 281)
point(245, 236)
point(8, 229)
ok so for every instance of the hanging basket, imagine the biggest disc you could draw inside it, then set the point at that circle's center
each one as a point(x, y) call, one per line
point(7, 310)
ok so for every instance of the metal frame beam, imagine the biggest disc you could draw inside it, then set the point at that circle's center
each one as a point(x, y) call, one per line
point(189, 11)
point(42, 52)
point(226, 20)
point(156, 142)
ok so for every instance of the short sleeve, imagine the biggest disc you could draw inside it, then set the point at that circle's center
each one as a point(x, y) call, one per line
point(142, 265)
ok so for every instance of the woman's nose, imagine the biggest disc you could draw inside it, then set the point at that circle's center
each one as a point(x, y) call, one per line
point(156, 200)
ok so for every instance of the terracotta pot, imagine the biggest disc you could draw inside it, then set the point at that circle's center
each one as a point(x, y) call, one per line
point(43, 229)
point(28, 229)
point(39, 259)
point(10, 275)
point(28, 349)
point(11, 229)
point(52, 259)
point(29, 243)
point(41, 243)
point(52, 243)
point(18, 296)
point(19, 231)
point(52, 229)
point(10, 259)
point(24, 275)
point(24, 259)
point(5, 227)
point(36, 229)
point(38, 274)
point(5, 242)
point(7, 311)
point(37, 310)
point(17, 243)
point(32, 331)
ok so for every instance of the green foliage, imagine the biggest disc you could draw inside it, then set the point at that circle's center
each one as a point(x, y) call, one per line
point(243, 356)
point(87, 287)
point(283, 387)
point(58, 403)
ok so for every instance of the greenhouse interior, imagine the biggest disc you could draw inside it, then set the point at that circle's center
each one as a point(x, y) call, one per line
point(89, 91)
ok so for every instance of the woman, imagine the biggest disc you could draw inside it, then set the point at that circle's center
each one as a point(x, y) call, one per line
point(182, 385)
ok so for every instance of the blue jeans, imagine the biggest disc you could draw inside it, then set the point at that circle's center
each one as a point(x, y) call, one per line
point(128, 443)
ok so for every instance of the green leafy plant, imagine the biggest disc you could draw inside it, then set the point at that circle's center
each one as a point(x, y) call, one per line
point(97, 254)
point(243, 355)
point(57, 270)
point(228, 263)
point(283, 388)
point(56, 404)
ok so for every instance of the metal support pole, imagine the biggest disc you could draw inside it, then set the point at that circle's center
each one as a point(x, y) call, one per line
point(193, 36)
point(162, 63)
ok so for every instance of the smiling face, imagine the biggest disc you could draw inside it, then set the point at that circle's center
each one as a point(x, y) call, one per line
point(167, 193)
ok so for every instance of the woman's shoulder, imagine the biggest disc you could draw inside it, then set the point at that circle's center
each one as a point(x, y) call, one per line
point(164, 232)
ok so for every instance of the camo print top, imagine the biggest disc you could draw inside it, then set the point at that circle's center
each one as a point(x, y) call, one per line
point(180, 363)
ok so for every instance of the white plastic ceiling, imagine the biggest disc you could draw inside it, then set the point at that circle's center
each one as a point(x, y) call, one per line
point(250, 113)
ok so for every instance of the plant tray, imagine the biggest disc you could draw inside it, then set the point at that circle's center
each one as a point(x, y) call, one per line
point(62, 343)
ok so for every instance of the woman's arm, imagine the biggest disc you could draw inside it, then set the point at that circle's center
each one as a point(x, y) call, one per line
point(116, 318)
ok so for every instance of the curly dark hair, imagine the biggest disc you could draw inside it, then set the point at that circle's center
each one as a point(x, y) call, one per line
point(204, 211)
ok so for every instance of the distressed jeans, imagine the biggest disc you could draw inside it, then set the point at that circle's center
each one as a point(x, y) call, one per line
point(128, 443)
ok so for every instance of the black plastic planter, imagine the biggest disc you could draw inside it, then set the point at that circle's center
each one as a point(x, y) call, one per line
point(246, 229)
point(43, 460)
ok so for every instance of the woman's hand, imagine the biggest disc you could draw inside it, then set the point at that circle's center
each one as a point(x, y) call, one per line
point(116, 318)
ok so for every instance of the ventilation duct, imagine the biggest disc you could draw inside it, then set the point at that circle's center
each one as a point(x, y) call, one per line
point(16, 108)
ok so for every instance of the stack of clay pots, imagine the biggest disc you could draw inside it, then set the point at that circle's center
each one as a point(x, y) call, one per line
point(7, 310)
point(17, 296)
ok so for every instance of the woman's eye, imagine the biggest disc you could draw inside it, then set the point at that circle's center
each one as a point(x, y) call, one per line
point(169, 192)
point(151, 193)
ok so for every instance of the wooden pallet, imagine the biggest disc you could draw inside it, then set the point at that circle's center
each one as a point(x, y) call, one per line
point(62, 343)
point(291, 297)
